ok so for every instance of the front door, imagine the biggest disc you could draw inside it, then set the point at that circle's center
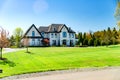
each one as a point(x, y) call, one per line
point(64, 42)
point(71, 42)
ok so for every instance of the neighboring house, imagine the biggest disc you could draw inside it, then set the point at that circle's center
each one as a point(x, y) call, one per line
point(56, 34)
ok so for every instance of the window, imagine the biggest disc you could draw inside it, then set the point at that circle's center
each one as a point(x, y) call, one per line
point(52, 35)
point(33, 39)
point(72, 35)
point(38, 39)
point(38, 42)
point(54, 29)
point(54, 42)
point(69, 35)
point(42, 34)
point(33, 42)
point(33, 33)
point(71, 42)
point(55, 35)
point(64, 34)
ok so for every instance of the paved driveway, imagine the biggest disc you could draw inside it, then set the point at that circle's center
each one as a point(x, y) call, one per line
point(87, 74)
point(111, 74)
point(6, 50)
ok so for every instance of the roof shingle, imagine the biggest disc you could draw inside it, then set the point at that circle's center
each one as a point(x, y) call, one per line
point(54, 28)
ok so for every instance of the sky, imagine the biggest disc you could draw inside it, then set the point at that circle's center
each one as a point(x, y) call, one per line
point(80, 15)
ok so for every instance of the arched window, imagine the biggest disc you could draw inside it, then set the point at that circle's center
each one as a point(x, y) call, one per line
point(33, 33)
point(64, 34)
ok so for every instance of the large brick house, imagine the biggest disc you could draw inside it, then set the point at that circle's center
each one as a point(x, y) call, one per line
point(56, 34)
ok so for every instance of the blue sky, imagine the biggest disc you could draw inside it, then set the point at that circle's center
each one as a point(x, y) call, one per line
point(80, 15)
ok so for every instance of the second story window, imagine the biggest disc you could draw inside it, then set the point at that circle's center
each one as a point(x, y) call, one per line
point(52, 35)
point(64, 34)
point(69, 35)
point(43, 34)
point(54, 29)
point(55, 35)
point(33, 33)
point(72, 35)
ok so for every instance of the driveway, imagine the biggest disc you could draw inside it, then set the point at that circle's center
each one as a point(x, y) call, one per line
point(102, 74)
point(6, 50)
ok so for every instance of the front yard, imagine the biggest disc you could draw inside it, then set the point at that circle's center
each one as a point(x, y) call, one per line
point(58, 58)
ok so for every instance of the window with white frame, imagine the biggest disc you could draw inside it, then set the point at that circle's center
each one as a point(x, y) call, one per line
point(73, 35)
point(43, 34)
point(64, 34)
point(38, 42)
point(55, 35)
point(33, 42)
point(52, 35)
point(69, 35)
point(54, 29)
point(53, 42)
point(33, 33)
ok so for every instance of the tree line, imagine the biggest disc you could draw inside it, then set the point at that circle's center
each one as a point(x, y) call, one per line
point(99, 38)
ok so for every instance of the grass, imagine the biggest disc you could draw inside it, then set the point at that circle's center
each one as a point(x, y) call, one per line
point(59, 58)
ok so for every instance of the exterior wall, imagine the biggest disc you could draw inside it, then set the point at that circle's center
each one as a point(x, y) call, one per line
point(30, 32)
point(72, 38)
point(68, 38)
point(61, 38)
point(45, 35)
point(54, 38)
point(35, 42)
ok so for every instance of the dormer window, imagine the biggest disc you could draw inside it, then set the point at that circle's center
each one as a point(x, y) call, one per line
point(33, 33)
point(54, 29)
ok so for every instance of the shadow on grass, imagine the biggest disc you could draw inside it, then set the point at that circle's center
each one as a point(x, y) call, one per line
point(5, 61)
point(29, 52)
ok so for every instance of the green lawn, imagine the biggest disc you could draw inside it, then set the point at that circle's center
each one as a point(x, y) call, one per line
point(57, 58)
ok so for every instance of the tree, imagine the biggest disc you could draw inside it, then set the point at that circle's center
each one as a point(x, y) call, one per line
point(85, 42)
point(117, 13)
point(26, 43)
point(80, 39)
point(90, 42)
point(45, 42)
point(18, 33)
point(4, 42)
point(96, 42)
point(12, 41)
point(114, 36)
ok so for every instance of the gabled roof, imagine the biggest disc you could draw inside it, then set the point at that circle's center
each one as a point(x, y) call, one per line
point(50, 29)
point(30, 29)
point(43, 29)
point(54, 28)
point(70, 30)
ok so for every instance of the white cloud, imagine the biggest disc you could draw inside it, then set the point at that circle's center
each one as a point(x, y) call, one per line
point(40, 6)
